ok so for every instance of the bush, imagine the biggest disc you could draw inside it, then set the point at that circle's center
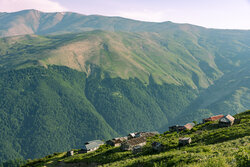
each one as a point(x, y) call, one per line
point(242, 158)
point(211, 162)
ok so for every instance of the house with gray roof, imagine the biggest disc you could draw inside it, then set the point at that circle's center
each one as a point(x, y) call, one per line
point(91, 146)
point(132, 135)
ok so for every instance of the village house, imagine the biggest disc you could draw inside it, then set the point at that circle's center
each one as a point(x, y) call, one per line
point(129, 144)
point(116, 141)
point(226, 121)
point(146, 134)
point(213, 118)
point(156, 146)
point(177, 128)
point(189, 126)
point(70, 153)
point(131, 135)
point(91, 146)
point(184, 141)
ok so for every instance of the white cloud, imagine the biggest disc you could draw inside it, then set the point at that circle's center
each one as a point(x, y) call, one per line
point(42, 5)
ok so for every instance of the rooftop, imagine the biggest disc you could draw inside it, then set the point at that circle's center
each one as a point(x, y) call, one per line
point(136, 141)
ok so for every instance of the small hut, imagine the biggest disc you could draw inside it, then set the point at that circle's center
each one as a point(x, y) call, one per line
point(226, 121)
point(128, 145)
point(116, 142)
point(189, 126)
point(131, 135)
point(91, 146)
point(70, 153)
point(178, 128)
point(146, 134)
point(184, 141)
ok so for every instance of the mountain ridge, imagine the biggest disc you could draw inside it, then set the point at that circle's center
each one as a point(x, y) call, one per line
point(79, 74)
point(32, 22)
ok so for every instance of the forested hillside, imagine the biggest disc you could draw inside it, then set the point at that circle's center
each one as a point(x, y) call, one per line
point(44, 110)
point(57, 108)
point(75, 78)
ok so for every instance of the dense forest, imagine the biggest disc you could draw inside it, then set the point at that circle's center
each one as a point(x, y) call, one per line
point(57, 108)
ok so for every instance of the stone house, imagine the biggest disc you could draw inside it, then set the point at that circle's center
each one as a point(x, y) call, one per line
point(91, 146)
point(146, 134)
point(226, 121)
point(189, 126)
point(116, 142)
point(184, 141)
point(178, 128)
point(129, 144)
point(132, 135)
point(70, 153)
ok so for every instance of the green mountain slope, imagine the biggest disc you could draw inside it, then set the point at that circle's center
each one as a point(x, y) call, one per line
point(44, 110)
point(121, 54)
point(229, 94)
point(56, 108)
point(211, 146)
point(169, 59)
point(90, 77)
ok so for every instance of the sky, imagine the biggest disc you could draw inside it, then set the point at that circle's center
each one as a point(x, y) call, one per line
point(223, 14)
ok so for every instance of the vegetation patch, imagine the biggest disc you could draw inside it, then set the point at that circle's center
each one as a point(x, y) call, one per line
point(232, 150)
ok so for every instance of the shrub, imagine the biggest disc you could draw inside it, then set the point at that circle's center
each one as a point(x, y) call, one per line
point(242, 158)
point(212, 162)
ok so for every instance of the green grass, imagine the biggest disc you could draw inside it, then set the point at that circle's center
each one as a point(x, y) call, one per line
point(211, 146)
point(169, 59)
